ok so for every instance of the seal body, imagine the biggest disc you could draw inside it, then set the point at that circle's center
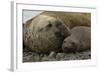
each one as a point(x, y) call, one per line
point(79, 40)
point(46, 32)
point(71, 19)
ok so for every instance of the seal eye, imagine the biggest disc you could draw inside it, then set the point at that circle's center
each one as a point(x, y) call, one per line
point(58, 24)
point(72, 43)
point(64, 41)
point(49, 25)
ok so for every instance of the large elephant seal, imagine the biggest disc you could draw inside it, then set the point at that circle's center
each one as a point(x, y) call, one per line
point(71, 19)
point(79, 40)
point(46, 32)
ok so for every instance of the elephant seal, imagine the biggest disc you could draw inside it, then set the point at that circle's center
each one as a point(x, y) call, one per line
point(71, 19)
point(44, 34)
point(46, 31)
point(79, 40)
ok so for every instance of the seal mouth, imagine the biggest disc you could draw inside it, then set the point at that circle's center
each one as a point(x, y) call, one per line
point(68, 50)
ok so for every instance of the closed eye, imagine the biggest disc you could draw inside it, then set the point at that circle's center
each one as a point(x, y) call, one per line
point(58, 24)
point(72, 43)
point(49, 25)
point(64, 41)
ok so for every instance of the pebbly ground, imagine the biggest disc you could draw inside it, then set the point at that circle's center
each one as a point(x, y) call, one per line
point(29, 56)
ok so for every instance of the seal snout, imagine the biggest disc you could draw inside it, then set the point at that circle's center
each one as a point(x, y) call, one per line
point(67, 49)
point(58, 34)
point(64, 49)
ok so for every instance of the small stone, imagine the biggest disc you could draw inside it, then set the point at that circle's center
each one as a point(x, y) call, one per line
point(36, 58)
point(52, 54)
point(60, 56)
point(41, 55)
point(27, 58)
point(85, 55)
point(45, 58)
point(25, 50)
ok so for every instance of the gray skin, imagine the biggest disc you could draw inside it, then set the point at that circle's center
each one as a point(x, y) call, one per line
point(79, 40)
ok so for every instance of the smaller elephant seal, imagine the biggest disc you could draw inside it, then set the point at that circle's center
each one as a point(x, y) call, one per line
point(79, 40)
